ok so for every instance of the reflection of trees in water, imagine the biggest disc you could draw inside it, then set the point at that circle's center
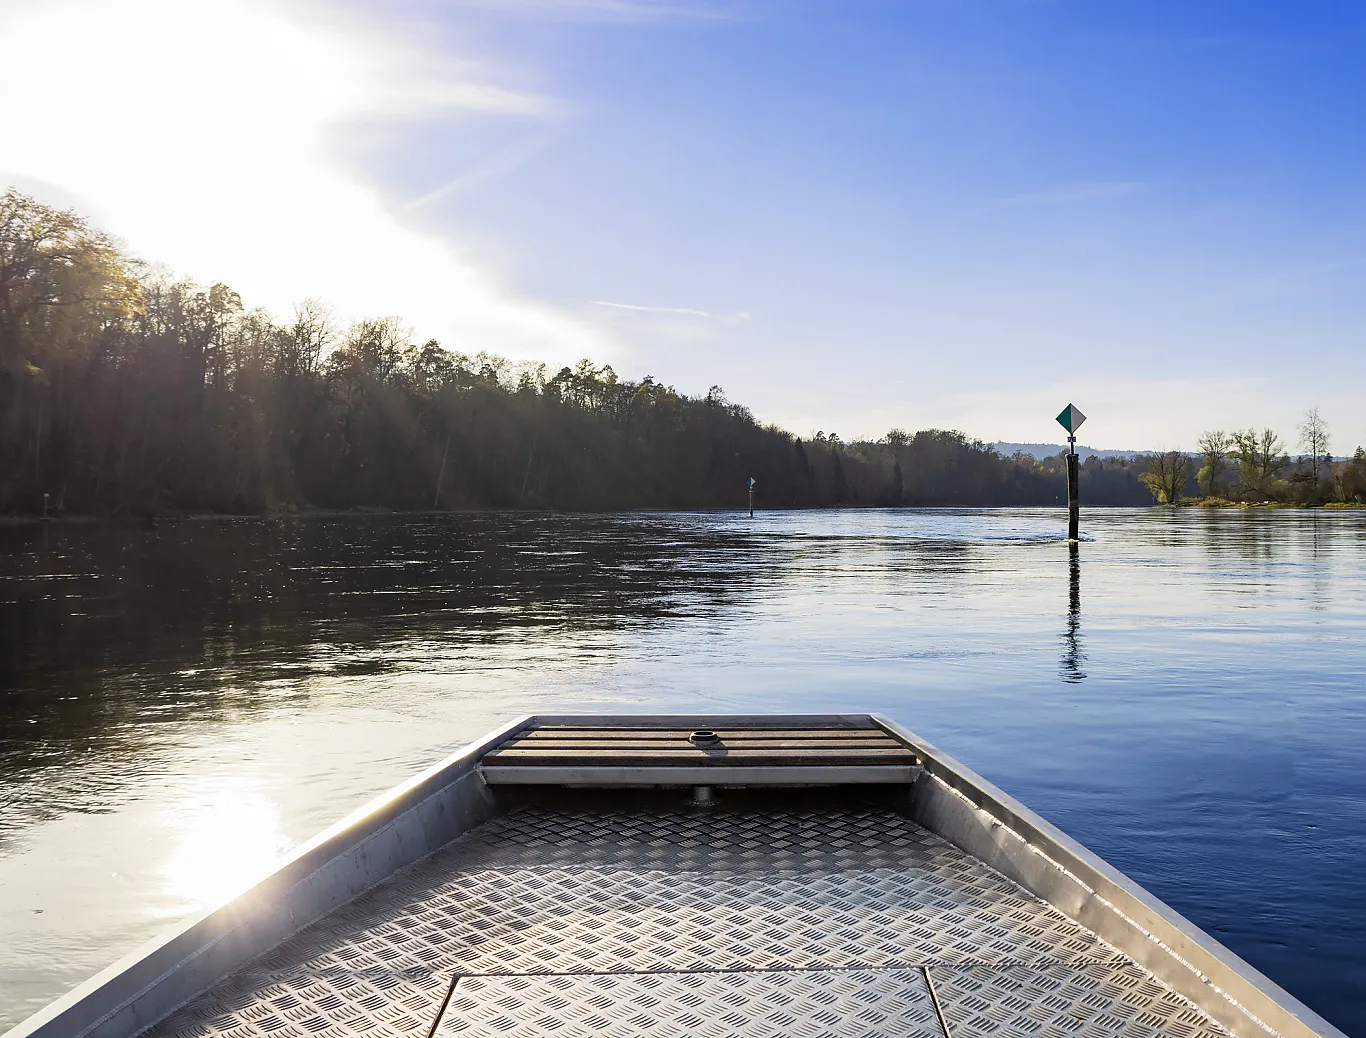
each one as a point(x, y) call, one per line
point(107, 627)
point(1243, 536)
point(1073, 655)
point(1253, 547)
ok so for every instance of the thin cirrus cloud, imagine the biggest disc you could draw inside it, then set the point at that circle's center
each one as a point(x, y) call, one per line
point(686, 311)
point(214, 152)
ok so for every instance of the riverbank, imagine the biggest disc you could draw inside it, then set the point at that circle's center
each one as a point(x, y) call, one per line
point(335, 513)
point(1221, 502)
point(153, 518)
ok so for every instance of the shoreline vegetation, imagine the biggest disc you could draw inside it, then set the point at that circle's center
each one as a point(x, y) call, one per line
point(309, 512)
point(127, 392)
point(1223, 502)
point(1251, 468)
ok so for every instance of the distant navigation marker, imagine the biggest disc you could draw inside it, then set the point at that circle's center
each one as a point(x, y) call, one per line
point(1071, 419)
point(751, 497)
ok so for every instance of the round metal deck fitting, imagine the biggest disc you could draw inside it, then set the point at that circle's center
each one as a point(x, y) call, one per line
point(703, 737)
point(702, 796)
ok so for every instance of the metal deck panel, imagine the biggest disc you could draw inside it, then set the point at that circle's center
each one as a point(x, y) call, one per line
point(774, 1004)
point(730, 908)
point(1060, 999)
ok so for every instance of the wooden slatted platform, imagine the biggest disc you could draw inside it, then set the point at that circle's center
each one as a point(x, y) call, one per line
point(664, 754)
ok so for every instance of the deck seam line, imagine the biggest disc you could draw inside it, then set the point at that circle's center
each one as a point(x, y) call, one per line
point(820, 968)
point(450, 992)
point(934, 997)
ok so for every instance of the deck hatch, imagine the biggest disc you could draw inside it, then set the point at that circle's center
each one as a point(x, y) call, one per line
point(768, 1004)
point(1115, 999)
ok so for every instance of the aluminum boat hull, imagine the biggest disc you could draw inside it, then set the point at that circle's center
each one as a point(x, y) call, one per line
point(837, 876)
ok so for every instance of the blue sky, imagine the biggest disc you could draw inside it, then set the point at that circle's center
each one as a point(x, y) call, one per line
point(851, 215)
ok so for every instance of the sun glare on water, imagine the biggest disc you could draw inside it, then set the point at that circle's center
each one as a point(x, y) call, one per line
point(226, 838)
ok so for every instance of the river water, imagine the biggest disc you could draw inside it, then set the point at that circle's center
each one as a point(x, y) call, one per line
point(1185, 694)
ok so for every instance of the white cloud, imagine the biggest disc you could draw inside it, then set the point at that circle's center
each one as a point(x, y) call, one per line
point(199, 133)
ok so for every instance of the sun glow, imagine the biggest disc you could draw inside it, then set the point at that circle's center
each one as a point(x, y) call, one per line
point(226, 838)
point(205, 135)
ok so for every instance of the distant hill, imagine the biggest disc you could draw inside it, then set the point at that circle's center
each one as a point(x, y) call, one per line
point(1047, 450)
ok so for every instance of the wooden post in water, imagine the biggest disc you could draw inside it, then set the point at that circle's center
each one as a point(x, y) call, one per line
point(1071, 419)
point(751, 497)
point(1073, 498)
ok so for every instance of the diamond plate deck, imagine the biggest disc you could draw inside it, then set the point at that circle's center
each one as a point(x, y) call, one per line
point(780, 1004)
point(840, 907)
point(1057, 999)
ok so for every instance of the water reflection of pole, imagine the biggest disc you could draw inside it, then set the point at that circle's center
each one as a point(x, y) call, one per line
point(1073, 657)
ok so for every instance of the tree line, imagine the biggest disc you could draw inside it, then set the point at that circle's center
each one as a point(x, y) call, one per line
point(1254, 466)
point(124, 391)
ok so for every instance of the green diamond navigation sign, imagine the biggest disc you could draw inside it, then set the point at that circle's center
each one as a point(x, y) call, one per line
point(1071, 419)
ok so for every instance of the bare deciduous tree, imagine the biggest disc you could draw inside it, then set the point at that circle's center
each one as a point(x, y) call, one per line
point(1214, 447)
point(310, 335)
point(1314, 442)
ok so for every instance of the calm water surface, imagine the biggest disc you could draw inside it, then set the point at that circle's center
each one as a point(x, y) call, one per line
point(1186, 695)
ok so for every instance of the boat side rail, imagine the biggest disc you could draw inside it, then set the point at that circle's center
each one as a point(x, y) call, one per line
point(975, 815)
point(393, 830)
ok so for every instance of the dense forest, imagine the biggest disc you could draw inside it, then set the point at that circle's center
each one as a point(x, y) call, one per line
point(125, 391)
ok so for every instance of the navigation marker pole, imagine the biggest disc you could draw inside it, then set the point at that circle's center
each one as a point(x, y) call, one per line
point(751, 497)
point(1071, 419)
